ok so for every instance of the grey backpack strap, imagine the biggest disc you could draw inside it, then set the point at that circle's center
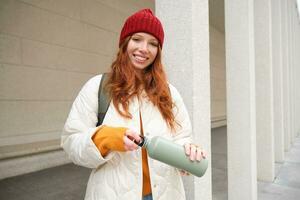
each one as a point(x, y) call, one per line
point(103, 100)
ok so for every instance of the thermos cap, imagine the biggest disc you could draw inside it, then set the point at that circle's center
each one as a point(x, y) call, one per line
point(141, 143)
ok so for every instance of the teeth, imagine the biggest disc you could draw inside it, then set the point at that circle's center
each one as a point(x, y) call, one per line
point(140, 58)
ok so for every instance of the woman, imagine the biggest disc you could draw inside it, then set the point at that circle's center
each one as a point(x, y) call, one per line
point(142, 102)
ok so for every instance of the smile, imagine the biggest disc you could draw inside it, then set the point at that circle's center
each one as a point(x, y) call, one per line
point(140, 58)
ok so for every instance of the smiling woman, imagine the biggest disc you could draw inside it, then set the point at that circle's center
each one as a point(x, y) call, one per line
point(142, 103)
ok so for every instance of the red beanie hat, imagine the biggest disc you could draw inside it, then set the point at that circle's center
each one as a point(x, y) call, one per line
point(143, 21)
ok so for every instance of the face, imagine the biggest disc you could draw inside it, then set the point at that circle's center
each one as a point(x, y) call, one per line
point(142, 50)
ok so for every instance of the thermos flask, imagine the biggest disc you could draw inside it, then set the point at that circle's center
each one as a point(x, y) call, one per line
point(172, 154)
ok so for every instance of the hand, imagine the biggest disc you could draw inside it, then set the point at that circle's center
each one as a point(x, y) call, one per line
point(129, 138)
point(194, 152)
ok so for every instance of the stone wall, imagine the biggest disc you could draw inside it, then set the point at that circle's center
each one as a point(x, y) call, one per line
point(48, 50)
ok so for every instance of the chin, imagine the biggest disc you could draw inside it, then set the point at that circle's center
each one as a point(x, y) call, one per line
point(140, 66)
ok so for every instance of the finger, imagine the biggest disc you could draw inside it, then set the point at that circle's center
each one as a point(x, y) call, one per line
point(199, 154)
point(132, 135)
point(181, 172)
point(193, 153)
point(184, 173)
point(129, 145)
point(204, 154)
point(187, 148)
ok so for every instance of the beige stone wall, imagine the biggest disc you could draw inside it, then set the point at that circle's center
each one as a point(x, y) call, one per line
point(218, 77)
point(48, 49)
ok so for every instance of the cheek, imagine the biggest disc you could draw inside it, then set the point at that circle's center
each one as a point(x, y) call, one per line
point(130, 47)
point(154, 53)
point(129, 52)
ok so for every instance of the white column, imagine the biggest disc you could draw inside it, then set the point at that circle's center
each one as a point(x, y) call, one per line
point(295, 54)
point(297, 50)
point(285, 72)
point(241, 124)
point(297, 64)
point(290, 9)
point(264, 90)
point(277, 81)
point(293, 69)
point(186, 55)
point(297, 70)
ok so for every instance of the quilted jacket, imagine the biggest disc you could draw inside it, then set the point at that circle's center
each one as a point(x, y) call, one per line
point(119, 174)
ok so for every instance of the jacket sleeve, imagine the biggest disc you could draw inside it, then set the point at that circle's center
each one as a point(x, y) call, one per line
point(184, 130)
point(80, 126)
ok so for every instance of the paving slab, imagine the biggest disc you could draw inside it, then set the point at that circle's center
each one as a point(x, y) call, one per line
point(67, 182)
point(271, 191)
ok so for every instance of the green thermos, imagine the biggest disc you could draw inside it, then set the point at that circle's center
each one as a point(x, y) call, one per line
point(172, 154)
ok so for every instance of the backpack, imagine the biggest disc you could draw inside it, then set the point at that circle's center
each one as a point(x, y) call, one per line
point(103, 100)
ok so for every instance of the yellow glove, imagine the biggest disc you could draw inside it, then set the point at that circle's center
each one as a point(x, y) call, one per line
point(109, 139)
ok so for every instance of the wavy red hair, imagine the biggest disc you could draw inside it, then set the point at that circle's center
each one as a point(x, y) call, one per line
point(123, 84)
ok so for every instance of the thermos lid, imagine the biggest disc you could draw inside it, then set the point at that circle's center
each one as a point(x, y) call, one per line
point(141, 143)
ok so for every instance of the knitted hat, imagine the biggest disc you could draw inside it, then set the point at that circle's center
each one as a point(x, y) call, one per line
point(143, 21)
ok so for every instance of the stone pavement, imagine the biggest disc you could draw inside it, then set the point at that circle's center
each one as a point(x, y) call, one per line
point(286, 185)
point(68, 182)
point(65, 182)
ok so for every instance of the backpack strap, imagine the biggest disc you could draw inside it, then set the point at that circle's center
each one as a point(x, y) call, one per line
point(103, 100)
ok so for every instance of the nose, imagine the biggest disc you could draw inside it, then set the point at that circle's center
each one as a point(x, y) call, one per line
point(144, 46)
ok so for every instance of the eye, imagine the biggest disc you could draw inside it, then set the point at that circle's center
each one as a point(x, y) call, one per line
point(135, 39)
point(155, 44)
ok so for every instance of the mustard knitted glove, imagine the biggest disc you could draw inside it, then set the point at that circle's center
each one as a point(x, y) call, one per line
point(109, 139)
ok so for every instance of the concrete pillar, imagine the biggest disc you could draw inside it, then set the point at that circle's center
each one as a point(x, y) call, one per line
point(285, 72)
point(290, 9)
point(264, 90)
point(297, 68)
point(277, 81)
point(293, 66)
point(297, 64)
point(297, 50)
point(295, 54)
point(241, 124)
point(298, 71)
point(186, 56)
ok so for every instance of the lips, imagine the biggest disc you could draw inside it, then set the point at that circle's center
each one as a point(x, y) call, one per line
point(140, 58)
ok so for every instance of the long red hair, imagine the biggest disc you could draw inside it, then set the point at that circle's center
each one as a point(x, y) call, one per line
point(123, 84)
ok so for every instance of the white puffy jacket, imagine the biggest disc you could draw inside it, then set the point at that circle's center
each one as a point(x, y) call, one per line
point(119, 174)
